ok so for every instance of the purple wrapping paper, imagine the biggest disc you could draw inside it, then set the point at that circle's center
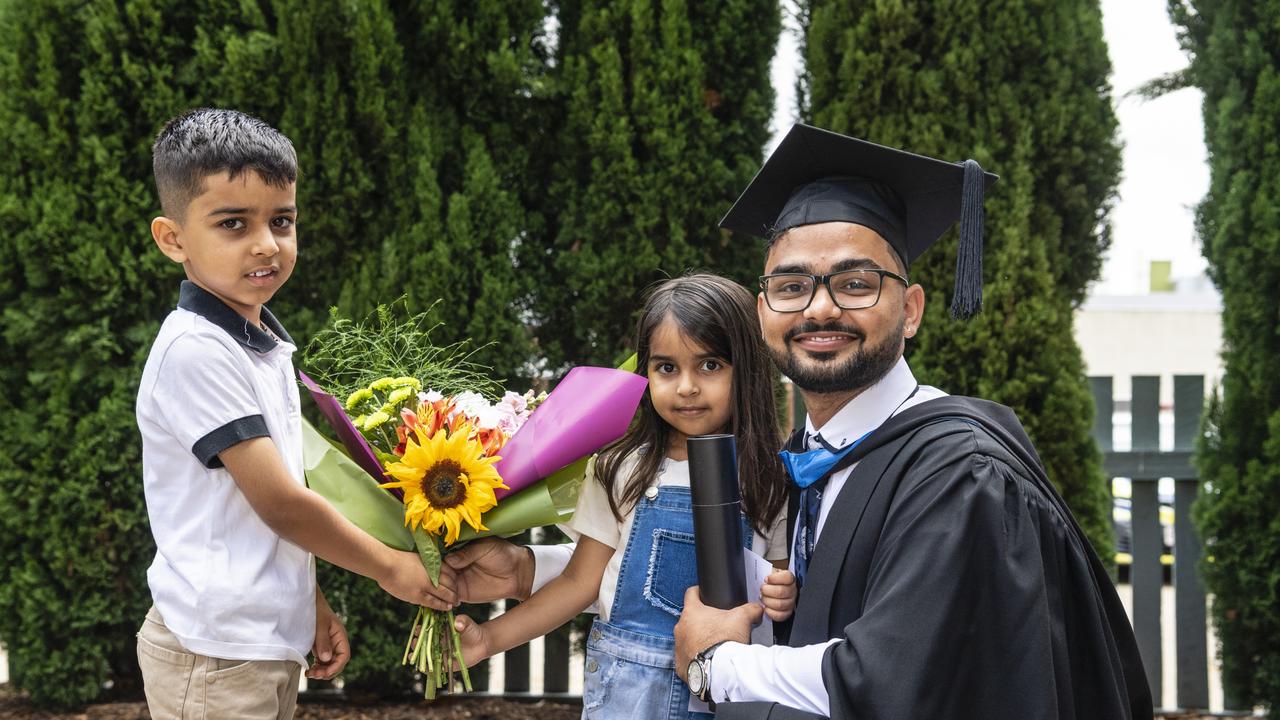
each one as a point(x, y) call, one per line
point(351, 438)
point(590, 408)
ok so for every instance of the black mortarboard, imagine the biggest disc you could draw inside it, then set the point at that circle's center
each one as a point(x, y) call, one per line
point(817, 176)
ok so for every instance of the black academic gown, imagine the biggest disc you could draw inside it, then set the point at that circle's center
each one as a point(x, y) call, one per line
point(959, 584)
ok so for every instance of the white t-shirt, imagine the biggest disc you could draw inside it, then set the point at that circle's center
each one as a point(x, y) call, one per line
point(594, 519)
point(223, 581)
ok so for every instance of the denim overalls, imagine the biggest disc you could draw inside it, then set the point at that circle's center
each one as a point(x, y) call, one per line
point(630, 664)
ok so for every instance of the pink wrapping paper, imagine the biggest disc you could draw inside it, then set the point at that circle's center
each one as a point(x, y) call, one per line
point(590, 408)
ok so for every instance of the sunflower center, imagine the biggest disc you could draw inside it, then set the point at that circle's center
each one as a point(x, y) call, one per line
point(442, 485)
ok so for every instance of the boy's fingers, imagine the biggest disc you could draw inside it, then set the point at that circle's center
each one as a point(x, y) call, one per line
point(331, 651)
point(341, 653)
point(472, 637)
point(324, 646)
point(435, 603)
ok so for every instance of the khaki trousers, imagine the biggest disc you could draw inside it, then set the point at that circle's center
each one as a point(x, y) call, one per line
point(184, 686)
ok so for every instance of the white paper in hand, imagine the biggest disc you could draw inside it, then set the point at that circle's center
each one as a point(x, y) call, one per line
point(757, 569)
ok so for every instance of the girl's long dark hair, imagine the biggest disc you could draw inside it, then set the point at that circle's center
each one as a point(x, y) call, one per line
point(719, 315)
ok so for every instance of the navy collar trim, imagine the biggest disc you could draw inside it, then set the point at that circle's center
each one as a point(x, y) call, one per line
point(193, 298)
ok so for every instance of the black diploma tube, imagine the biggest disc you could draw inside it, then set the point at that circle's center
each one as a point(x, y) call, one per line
point(717, 520)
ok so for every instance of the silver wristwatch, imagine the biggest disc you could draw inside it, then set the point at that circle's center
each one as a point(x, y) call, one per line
point(699, 672)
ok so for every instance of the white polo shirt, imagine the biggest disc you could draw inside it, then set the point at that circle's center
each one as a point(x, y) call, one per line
point(226, 584)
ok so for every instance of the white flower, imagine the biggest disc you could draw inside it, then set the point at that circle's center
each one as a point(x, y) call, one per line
point(470, 404)
point(487, 418)
point(429, 396)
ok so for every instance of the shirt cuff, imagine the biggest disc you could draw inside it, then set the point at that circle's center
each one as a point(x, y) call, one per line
point(784, 675)
point(549, 561)
point(206, 449)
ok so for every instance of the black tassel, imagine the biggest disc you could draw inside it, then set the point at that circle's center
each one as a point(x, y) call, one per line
point(967, 300)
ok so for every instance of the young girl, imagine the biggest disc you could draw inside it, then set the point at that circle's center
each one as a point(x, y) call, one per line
point(698, 341)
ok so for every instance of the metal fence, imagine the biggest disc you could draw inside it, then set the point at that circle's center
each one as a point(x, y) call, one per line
point(524, 673)
point(1144, 465)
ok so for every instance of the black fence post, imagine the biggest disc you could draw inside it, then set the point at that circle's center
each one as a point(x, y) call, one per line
point(1189, 598)
point(555, 663)
point(1103, 409)
point(479, 674)
point(1146, 573)
point(515, 662)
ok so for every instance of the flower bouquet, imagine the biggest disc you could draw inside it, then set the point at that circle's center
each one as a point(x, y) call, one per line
point(425, 465)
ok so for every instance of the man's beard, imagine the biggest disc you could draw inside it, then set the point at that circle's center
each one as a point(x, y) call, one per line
point(862, 370)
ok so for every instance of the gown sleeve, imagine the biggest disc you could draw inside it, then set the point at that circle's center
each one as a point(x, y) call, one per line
point(976, 592)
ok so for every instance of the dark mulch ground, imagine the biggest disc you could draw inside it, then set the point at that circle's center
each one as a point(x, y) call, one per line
point(17, 707)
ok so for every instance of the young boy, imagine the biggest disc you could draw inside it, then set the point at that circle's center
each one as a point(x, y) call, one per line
point(236, 607)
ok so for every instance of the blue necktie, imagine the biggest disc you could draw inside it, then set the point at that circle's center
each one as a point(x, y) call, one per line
point(810, 471)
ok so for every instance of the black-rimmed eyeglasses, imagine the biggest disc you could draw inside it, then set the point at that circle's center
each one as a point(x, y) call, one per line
point(849, 289)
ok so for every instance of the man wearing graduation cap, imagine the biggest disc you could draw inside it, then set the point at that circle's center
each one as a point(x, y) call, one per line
point(942, 575)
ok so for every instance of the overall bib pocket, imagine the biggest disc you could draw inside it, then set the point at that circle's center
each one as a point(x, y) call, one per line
point(673, 569)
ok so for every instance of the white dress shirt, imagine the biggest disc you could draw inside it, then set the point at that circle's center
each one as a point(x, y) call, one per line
point(791, 676)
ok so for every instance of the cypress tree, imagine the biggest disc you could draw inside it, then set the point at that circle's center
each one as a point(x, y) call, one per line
point(447, 136)
point(666, 111)
point(1234, 46)
point(86, 86)
point(1020, 86)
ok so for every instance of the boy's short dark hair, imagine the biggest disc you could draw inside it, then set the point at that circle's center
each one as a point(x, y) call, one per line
point(206, 141)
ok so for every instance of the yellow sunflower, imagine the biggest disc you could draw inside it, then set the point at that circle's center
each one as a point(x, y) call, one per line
point(445, 480)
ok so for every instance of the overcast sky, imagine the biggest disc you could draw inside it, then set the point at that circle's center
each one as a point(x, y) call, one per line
point(1164, 172)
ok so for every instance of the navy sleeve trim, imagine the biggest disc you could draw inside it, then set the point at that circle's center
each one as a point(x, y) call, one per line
point(207, 448)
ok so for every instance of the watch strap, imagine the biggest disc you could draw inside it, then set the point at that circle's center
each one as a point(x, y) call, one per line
point(703, 659)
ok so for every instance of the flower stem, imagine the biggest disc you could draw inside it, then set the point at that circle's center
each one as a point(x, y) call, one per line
point(413, 633)
point(435, 651)
point(457, 653)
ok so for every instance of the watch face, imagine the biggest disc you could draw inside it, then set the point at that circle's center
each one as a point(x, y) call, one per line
point(696, 680)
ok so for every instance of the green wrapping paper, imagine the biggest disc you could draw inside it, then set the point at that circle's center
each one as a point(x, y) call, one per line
point(338, 479)
point(547, 502)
